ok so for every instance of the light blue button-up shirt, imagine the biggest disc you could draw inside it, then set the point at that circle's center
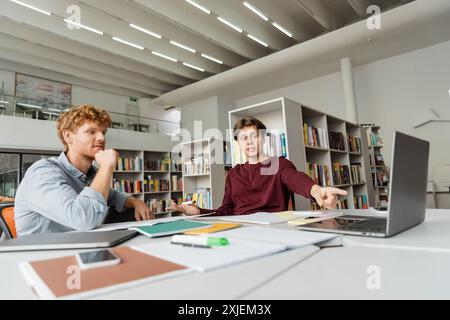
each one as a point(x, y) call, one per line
point(54, 196)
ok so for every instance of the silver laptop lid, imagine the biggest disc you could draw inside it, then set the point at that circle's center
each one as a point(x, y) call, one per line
point(408, 183)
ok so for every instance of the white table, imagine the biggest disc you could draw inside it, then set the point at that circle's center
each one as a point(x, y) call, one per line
point(341, 273)
point(432, 235)
point(225, 283)
point(414, 264)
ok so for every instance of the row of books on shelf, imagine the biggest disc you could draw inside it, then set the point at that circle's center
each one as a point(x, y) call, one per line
point(380, 178)
point(157, 165)
point(337, 141)
point(315, 137)
point(176, 165)
point(360, 202)
point(354, 144)
point(177, 183)
point(160, 205)
point(275, 145)
point(319, 173)
point(341, 174)
point(357, 173)
point(373, 139)
point(139, 186)
point(202, 198)
point(129, 164)
point(197, 165)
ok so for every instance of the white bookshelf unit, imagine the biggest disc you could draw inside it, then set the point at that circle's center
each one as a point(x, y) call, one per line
point(283, 116)
point(150, 173)
point(203, 172)
point(379, 172)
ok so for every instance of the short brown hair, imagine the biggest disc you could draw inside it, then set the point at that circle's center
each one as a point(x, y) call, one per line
point(247, 121)
point(78, 116)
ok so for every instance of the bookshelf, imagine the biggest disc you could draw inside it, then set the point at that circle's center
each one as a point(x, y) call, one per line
point(379, 172)
point(318, 144)
point(152, 176)
point(203, 172)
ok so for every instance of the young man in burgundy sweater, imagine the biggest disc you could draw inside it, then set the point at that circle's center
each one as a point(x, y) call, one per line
point(263, 184)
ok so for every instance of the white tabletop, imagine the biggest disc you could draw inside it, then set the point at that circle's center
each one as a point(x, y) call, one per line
point(342, 273)
point(433, 234)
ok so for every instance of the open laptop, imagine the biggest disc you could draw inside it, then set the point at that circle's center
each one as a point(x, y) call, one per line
point(68, 240)
point(407, 194)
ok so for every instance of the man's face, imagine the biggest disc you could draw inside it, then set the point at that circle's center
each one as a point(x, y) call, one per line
point(88, 139)
point(250, 141)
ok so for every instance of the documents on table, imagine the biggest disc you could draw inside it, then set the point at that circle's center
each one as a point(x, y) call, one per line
point(268, 218)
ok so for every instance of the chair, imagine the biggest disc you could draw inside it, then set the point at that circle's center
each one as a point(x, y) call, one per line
point(7, 222)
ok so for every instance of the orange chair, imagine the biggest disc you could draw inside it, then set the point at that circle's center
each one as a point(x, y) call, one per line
point(7, 222)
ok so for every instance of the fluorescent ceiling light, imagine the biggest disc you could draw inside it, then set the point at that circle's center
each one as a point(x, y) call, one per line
point(84, 27)
point(153, 34)
point(4, 102)
point(164, 56)
point(211, 58)
point(49, 113)
point(182, 46)
point(29, 105)
point(193, 67)
point(128, 43)
point(229, 24)
point(195, 4)
point(257, 40)
point(259, 13)
point(286, 32)
point(66, 110)
point(52, 109)
point(31, 7)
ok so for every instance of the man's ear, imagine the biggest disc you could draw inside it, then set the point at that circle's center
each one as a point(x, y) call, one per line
point(67, 136)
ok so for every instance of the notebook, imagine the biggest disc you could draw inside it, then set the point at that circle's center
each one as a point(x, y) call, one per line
point(205, 259)
point(61, 278)
point(290, 238)
point(269, 218)
point(216, 227)
point(169, 228)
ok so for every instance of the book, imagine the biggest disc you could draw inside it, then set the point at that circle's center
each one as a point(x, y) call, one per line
point(128, 186)
point(292, 239)
point(169, 228)
point(57, 278)
point(357, 173)
point(200, 259)
point(315, 137)
point(198, 165)
point(129, 164)
point(360, 202)
point(354, 144)
point(341, 174)
point(216, 227)
point(157, 165)
point(319, 173)
point(337, 141)
point(270, 218)
point(202, 198)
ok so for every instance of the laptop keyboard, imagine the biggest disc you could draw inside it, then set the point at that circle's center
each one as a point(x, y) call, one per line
point(370, 225)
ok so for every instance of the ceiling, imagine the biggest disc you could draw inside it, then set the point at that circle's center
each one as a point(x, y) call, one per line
point(153, 47)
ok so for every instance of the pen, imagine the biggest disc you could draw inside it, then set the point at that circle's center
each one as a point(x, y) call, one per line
point(188, 202)
point(191, 245)
point(200, 240)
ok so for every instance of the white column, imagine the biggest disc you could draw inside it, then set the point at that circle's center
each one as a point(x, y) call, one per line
point(349, 90)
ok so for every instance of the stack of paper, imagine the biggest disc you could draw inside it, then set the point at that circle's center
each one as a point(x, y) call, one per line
point(169, 228)
point(268, 218)
point(290, 238)
point(205, 259)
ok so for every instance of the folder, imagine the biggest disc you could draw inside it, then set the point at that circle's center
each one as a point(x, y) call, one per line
point(169, 228)
point(62, 278)
point(216, 227)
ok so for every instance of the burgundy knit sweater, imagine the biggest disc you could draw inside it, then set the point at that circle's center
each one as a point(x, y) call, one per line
point(262, 187)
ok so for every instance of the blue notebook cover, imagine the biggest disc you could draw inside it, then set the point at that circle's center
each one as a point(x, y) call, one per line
point(170, 228)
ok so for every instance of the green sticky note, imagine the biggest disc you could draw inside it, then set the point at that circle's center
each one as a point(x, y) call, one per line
point(169, 228)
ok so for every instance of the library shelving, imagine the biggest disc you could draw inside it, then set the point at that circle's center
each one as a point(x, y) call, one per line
point(334, 152)
point(203, 172)
point(152, 176)
point(379, 172)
